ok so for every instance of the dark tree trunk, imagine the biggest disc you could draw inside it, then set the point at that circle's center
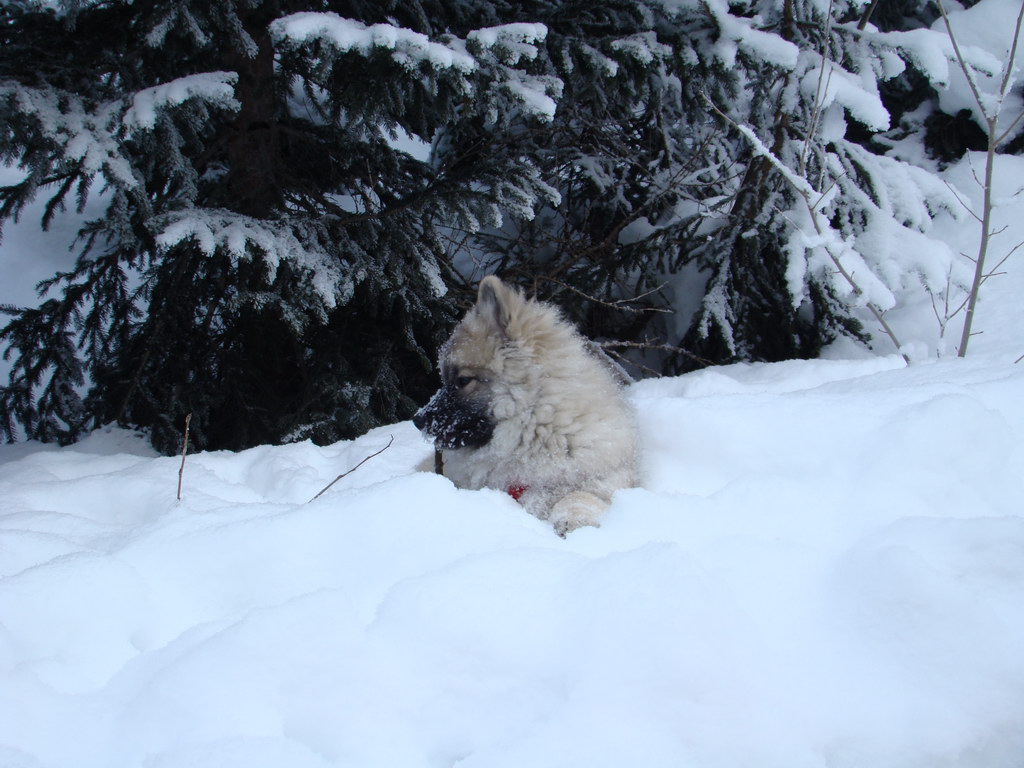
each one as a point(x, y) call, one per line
point(252, 147)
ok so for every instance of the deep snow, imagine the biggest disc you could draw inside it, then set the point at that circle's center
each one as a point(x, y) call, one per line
point(825, 567)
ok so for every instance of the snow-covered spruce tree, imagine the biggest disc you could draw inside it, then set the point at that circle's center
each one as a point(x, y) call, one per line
point(269, 259)
point(821, 224)
point(661, 198)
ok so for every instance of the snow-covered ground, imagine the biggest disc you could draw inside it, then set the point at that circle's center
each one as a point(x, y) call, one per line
point(824, 568)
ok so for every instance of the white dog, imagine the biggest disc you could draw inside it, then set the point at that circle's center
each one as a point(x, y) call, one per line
point(527, 407)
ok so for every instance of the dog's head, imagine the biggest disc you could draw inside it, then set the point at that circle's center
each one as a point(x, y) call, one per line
point(461, 413)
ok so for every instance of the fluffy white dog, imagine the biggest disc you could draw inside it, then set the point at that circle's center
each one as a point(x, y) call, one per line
point(527, 407)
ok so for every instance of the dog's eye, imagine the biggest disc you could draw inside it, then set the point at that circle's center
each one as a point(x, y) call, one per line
point(463, 381)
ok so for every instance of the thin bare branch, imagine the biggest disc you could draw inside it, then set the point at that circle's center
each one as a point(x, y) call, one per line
point(938, 318)
point(357, 466)
point(609, 345)
point(956, 194)
point(968, 72)
point(622, 358)
point(184, 451)
point(621, 304)
point(995, 270)
point(1018, 245)
point(824, 81)
point(1004, 86)
point(1009, 129)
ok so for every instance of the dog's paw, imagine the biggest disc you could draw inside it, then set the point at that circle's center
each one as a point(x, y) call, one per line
point(576, 510)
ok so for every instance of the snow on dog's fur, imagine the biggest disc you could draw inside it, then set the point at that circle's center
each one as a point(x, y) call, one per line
point(527, 408)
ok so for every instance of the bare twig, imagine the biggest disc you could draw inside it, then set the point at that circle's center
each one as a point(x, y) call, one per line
point(995, 270)
point(618, 356)
point(184, 451)
point(621, 304)
point(357, 466)
point(610, 345)
point(824, 81)
point(966, 207)
point(1009, 68)
point(1010, 128)
point(943, 318)
point(602, 354)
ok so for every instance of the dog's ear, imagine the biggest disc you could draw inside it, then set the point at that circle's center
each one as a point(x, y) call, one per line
point(495, 301)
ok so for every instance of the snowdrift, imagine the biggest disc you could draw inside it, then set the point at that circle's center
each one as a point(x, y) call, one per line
point(825, 567)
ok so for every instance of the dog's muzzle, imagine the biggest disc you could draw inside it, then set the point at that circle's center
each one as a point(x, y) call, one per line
point(453, 422)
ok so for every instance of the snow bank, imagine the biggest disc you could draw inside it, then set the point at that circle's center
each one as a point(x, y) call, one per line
point(825, 566)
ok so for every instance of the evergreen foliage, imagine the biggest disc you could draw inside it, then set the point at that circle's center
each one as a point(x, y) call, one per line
point(268, 259)
point(663, 199)
point(282, 252)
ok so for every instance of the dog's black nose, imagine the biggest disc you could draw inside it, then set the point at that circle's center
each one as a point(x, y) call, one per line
point(419, 419)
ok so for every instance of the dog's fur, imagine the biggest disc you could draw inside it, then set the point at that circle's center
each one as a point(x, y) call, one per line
point(526, 407)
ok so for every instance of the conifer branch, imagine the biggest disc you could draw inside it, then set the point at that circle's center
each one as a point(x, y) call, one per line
point(812, 200)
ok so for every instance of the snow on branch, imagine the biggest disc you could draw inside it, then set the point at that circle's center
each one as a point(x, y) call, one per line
point(504, 47)
point(217, 88)
point(857, 94)
point(86, 136)
point(642, 46)
point(492, 51)
point(899, 212)
point(931, 52)
point(511, 42)
point(243, 237)
point(347, 35)
point(89, 137)
point(739, 33)
point(531, 92)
